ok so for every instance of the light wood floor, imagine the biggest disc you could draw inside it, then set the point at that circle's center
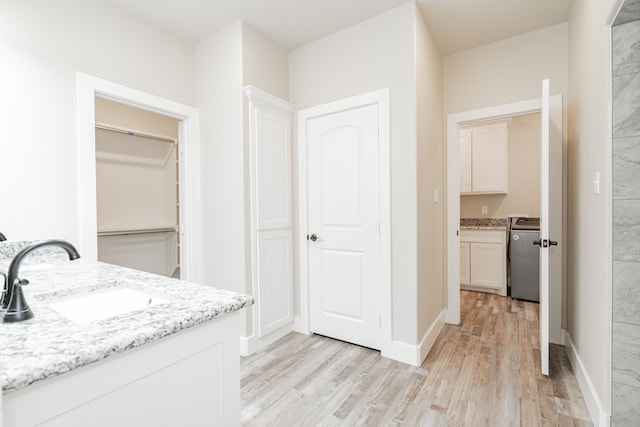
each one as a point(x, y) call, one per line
point(483, 372)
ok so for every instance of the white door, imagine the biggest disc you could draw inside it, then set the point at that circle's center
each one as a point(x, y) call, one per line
point(550, 221)
point(343, 225)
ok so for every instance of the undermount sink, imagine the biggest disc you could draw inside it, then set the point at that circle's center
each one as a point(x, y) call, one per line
point(104, 303)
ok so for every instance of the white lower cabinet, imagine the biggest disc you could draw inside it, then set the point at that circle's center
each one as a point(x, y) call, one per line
point(190, 378)
point(483, 265)
point(465, 268)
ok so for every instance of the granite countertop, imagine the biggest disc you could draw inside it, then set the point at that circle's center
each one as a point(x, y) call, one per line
point(483, 223)
point(50, 344)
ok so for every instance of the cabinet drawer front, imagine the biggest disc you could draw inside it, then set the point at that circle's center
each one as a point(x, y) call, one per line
point(483, 236)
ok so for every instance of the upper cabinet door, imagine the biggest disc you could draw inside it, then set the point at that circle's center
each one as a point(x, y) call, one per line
point(465, 161)
point(486, 145)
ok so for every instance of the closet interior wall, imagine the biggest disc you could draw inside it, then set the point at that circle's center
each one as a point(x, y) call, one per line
point(137, 188)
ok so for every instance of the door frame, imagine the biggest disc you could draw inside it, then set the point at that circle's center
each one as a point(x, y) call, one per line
point(453, 193)
point(381, 98)
point(88, 87)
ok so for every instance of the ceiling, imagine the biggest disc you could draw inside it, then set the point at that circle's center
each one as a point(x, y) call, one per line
point(456, 25)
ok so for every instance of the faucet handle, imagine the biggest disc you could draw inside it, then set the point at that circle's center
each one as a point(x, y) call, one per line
point(4, 286)
point(18, 308)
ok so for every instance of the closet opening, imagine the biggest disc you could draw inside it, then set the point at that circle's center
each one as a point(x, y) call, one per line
point(137, 161)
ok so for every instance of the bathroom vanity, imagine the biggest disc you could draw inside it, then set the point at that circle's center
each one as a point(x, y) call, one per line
point(172, 360)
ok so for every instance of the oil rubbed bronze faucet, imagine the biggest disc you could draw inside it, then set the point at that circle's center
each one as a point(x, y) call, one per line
point(14, 302)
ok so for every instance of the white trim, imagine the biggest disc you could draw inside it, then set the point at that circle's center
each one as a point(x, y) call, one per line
point(87, 88)
point(381, 98)
point(253, 343)
point(607, 175)
point(599, 416)
point(415, 354)
point(430, 337)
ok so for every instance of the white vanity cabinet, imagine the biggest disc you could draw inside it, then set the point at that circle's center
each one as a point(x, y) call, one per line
point(484, 158)
point(483, 264)
point(271, 229)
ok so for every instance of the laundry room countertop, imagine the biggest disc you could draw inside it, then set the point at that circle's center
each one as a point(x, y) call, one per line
point(50, 344)
point(483, 224)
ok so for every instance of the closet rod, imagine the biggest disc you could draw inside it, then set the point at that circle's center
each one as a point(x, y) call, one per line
point(135, 133)
point(126, 231)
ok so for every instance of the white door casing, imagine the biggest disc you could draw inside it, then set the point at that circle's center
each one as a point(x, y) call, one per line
point(88, 87)
point(344, 201)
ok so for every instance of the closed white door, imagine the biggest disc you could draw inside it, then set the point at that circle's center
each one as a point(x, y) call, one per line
point(550, 223)
point(343, 225)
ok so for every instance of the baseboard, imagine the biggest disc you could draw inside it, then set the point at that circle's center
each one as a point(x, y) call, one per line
point(301, 325)
point(253, 343)
point(431, 336)
point(415, 354)
point(599, 416)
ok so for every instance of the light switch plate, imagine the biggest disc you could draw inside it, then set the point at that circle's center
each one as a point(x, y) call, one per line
point(484, 210)
point(596, 183)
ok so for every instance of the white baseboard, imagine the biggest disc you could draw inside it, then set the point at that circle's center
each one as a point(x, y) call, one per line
point(253, 343)
point(431, 336)
point(301, 325)
point(415, 354)
point(599, 416)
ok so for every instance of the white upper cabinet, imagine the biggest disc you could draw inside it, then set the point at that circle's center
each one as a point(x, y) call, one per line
point(484, 158)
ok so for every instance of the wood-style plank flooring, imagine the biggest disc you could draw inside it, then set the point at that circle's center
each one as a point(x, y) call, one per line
point(484, 372)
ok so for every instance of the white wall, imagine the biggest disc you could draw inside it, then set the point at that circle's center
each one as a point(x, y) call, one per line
point(265, 64)
point(524, 175)
point(375, 54)
point(42, 47)
point(430, 177)
point(226, 62)
point(219, 82)
point(589, 316)
point(507, 71)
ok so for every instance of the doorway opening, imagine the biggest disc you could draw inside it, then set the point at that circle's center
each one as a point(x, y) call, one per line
point(187, 209)
point(138, 188)
point(454, 121)
point(499, 180)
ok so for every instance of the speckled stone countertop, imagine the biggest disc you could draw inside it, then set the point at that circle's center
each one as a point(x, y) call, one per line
point(483, 223)
point(50, 344)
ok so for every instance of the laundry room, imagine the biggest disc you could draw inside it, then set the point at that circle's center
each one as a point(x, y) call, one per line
point(500, 205)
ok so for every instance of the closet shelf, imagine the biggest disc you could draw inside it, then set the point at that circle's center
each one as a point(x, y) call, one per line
point(139, 230)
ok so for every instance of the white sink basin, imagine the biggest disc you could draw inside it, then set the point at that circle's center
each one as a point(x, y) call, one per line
point(103, 304)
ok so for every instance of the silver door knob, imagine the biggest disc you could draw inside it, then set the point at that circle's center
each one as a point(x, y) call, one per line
point(312, 237)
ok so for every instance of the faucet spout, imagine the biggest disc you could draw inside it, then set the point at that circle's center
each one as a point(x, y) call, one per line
point(2, 237)
point(13, 301)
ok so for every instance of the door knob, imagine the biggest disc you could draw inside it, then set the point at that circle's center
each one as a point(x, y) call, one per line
point(538, 242)
point(312, 237)
point(553, 243)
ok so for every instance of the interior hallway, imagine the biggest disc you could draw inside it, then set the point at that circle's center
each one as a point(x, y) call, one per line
point(484, 372)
